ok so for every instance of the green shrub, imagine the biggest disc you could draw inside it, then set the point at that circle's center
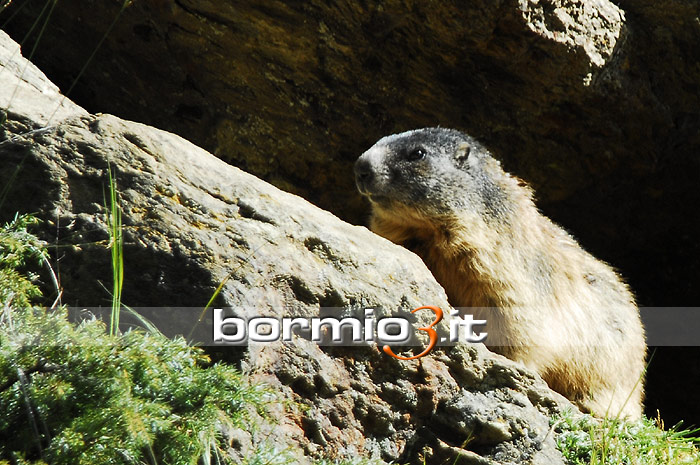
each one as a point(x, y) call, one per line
point(73, 394)
point(18, 250)
point(591, 441)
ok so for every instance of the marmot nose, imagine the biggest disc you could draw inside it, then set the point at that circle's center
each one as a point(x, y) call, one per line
point(363, 173)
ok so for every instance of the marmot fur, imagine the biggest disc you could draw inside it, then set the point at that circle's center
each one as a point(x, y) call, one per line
point(548, 303)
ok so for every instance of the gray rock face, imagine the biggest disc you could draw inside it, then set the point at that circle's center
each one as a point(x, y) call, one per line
point(593, 102)
point(190, 220)
point(32, 100)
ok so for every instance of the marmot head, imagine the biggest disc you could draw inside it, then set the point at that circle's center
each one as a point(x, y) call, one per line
point(431, 173)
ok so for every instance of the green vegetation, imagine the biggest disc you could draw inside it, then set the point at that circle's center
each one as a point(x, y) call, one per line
point(17, 249)
point(116, 246)
point(590, 441)
point(76, 394)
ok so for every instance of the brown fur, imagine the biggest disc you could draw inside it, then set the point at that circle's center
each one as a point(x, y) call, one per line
point(552, 306)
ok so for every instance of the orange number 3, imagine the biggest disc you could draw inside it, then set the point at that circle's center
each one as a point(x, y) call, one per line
point(428, 329)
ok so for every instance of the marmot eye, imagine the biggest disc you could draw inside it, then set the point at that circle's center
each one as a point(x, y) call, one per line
point(416, 154)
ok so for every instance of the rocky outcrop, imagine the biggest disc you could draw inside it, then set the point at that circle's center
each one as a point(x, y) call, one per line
point(595, 102)
point(191, 221)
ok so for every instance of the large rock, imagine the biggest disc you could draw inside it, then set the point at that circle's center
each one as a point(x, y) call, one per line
point(190, 220)
point(595, 102)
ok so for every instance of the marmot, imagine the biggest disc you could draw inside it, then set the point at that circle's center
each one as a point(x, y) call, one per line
point(548, 303)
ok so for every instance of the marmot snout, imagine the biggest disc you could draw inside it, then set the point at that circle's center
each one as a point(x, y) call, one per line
point(549, 304)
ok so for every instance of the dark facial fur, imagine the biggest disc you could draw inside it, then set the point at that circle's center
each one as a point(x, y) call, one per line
point(420, 170)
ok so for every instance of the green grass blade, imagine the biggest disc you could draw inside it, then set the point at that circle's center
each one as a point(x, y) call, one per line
point(116, 244)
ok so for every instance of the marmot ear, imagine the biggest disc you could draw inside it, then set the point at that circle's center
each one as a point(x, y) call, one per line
point(462, 152)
